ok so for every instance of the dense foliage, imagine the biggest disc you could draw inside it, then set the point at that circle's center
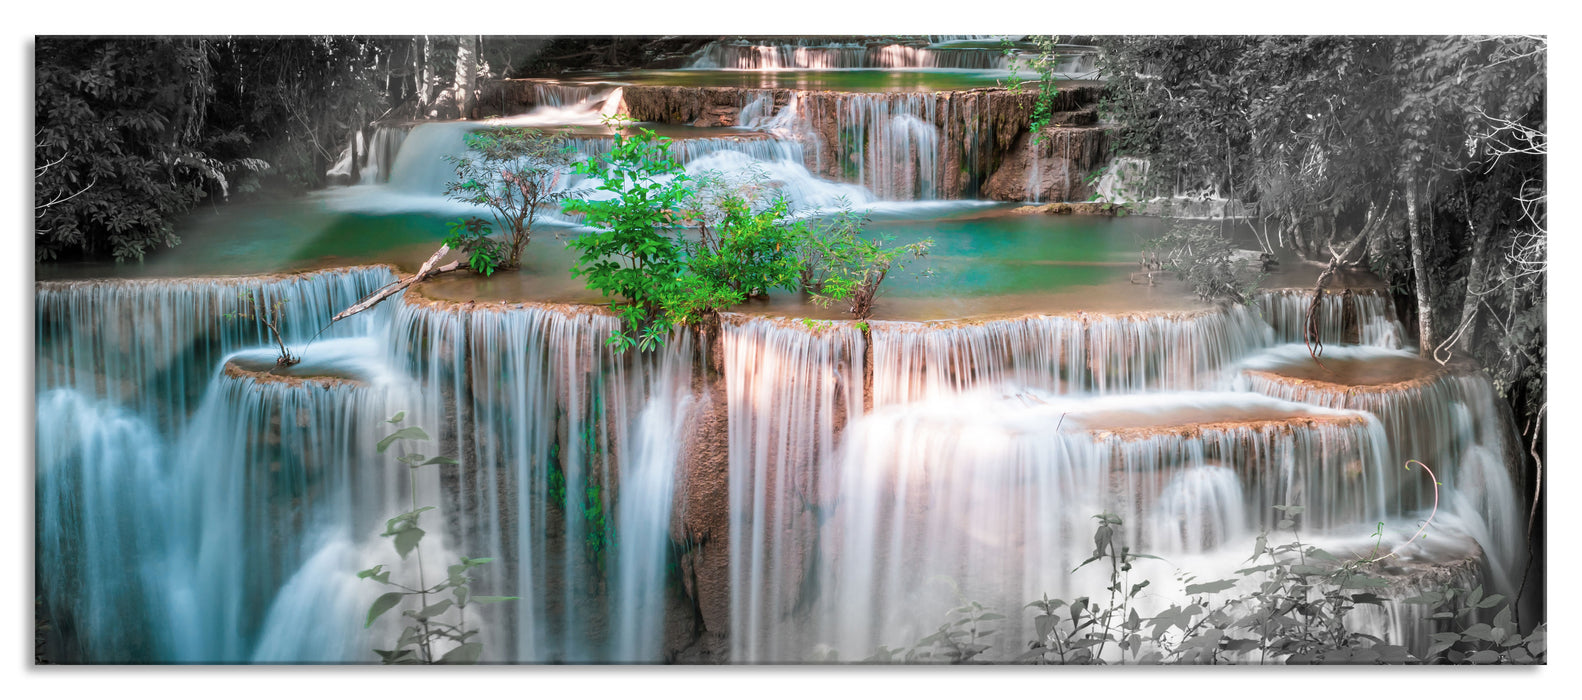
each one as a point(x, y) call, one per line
point(1437, 145)
point(748, 243)
point(1441, 137)
point(119, 130)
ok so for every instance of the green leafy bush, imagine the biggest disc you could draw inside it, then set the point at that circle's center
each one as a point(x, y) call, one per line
point(631, 252)
point(840, 265)
point(471, 237)
point(748, 242)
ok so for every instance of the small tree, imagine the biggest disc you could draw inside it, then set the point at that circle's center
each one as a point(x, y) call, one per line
point(253, 308)
point(839, 264)
point(747, 244)
point(1199, 254)
point(512, 171)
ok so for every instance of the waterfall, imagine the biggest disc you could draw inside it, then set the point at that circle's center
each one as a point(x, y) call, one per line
point(1199, 509)
point(814, 54)
point(983, 497)
point(1365, 315)
point(545, 408)
point(647, 491)
point(272, 493)
point(101, 489)
point(382, 153)
point(1450, 421)
point(1085, 352)
point(150, 345)
point(890, 142)
point(788, 390)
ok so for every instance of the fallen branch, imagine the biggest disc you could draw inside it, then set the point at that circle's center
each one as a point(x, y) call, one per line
point(426, 271)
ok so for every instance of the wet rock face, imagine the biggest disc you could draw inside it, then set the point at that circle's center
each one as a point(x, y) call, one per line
point(701, 525)
point(693, 106)
point(1055, 169)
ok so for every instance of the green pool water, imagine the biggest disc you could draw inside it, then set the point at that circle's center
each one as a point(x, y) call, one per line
point(985, 260)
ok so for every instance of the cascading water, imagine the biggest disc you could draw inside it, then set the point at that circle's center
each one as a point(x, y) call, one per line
point(1099, 353)
point(788, 393)
point(1366, 317)
point(274, 492)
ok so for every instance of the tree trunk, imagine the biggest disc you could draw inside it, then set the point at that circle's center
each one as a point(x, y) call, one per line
point(1477, 279)
point(466, 69)
point(1425, 303)
point(424, 74)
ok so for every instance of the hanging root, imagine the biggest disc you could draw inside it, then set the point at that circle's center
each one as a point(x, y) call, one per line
point(1310, 325)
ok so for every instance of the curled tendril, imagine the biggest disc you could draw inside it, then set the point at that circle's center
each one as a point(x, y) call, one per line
point(1426, 523)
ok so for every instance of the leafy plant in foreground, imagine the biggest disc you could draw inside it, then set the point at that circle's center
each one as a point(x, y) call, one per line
point(437, 632)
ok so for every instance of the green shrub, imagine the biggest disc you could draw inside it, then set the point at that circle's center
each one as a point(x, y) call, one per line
point(840, 265)
point(470, 236)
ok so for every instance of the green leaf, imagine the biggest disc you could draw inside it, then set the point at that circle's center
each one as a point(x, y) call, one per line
point(1210, 587)
point(407, 540)
point(465, 654)
point(439, 460)
point(1360, 581)
point(493, 598)
point(412, 433)
point(397, 417)
point(365, 573)
point(382, 605)
point(434, 610)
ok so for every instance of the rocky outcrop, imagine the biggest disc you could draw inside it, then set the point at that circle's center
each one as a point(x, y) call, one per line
point(701, 522)
point(1055, 169)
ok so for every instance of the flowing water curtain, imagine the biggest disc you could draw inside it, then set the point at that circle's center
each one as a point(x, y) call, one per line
point(1086, 353)
point(1450, 420)
point(976, 497)
point(943, 502)
point(102, 492)
point(130, 356)
point(789, 394)
point(152, 345)
point(1369, 313)
point(889, 143)
point(271, 472)
point(550, 419)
